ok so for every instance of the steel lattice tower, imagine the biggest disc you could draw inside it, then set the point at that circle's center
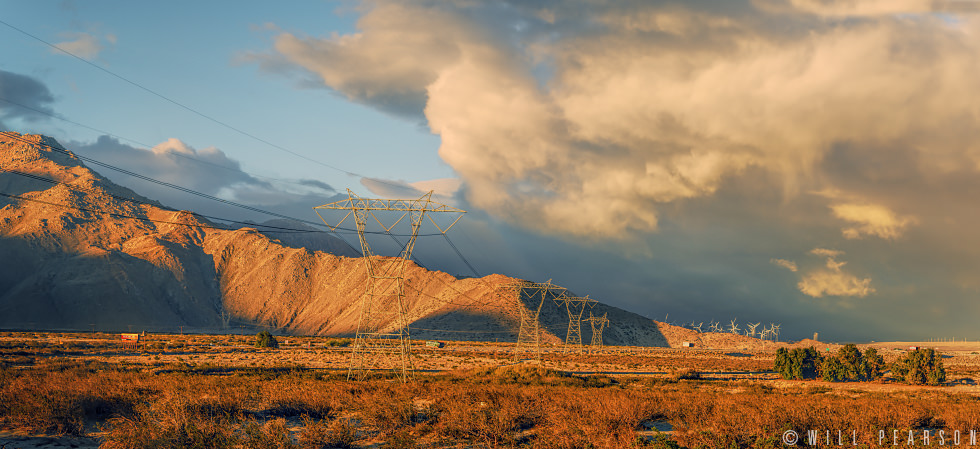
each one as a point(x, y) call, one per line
point(598, 324)
point(383, 340)
point(575, 307)
point(529, 336)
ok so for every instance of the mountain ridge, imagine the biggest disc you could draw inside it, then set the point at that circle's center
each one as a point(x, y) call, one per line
point(83, 251)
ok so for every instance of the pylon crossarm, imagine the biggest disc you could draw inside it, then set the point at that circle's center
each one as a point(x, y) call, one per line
point(425, 202)
point(447, 227)
point(330, 226)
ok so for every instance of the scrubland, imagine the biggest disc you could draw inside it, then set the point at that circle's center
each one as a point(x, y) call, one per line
point(54, 389)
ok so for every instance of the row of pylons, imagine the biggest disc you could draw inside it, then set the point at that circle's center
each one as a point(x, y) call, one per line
point(374, 345)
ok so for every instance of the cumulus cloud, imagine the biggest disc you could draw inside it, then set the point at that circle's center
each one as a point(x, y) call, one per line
point(871, 220)
point(26, 99)
point(84, 45)
point(589, 123)
point(207, 170)
point(832, 280)
point(703, 121)
point(399, 52)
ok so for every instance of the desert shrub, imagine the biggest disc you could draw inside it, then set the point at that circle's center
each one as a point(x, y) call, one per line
point(387, 409)
point(922, 366)
point(339, 434)
point(147, 430)
point(339, 342)
point(401, 440)
point(799, 363)
point(490, 415)
point(685, 374)
point(265, 340)
point(60, 398)
point(576, 418)
point(659, 441)
point(270, 435)
point(531, 375)
point(294, 406)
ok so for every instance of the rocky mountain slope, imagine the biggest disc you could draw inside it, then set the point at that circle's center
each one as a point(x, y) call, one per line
point(78, 251)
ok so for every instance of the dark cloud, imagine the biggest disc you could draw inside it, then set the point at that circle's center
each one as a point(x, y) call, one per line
point(23, 98)
point(317, 184)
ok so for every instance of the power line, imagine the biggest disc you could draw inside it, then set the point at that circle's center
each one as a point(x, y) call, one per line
point(473, 303)
point(458, 253)
point(223, 167)
point(188, 108)
point(462, 332)
point(133, 200)
point(112, 214)
point(281, 229)
point(207, 117)
point(185, 189)
point(197, 225)
point(212, 119)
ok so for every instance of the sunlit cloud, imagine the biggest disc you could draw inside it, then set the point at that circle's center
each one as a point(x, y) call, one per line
point(591, 129)
point(787, 264)
point(871, 220)
point(843, 8)
point(829, 253)
point(832, 280)
point(692, 134)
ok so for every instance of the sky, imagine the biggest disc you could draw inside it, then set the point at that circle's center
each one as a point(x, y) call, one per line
point(812, 163)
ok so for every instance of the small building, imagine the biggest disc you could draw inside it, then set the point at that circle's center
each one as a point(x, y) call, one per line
point(134, 338)
point(914, 348)
point(687, 344)
point(434, 344)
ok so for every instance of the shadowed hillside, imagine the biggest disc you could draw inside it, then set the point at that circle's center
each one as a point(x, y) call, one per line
point(79, 250)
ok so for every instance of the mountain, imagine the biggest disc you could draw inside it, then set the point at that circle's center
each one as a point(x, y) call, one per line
point(80, 252)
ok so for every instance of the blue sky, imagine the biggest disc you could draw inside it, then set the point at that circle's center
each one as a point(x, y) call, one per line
point(192, 53)
point(806, 162)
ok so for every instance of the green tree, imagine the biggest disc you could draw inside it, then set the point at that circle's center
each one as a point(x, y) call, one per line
point(922, 366)
point(872, 365)
point(265, 340)
point(850, 359)
point(833, 370)
point(850, 364)
point(799, 363)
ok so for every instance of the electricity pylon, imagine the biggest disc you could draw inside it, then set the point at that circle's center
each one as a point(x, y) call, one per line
point(529, 336)
point(598, 324)
point(575, 307)
point(383, 339)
